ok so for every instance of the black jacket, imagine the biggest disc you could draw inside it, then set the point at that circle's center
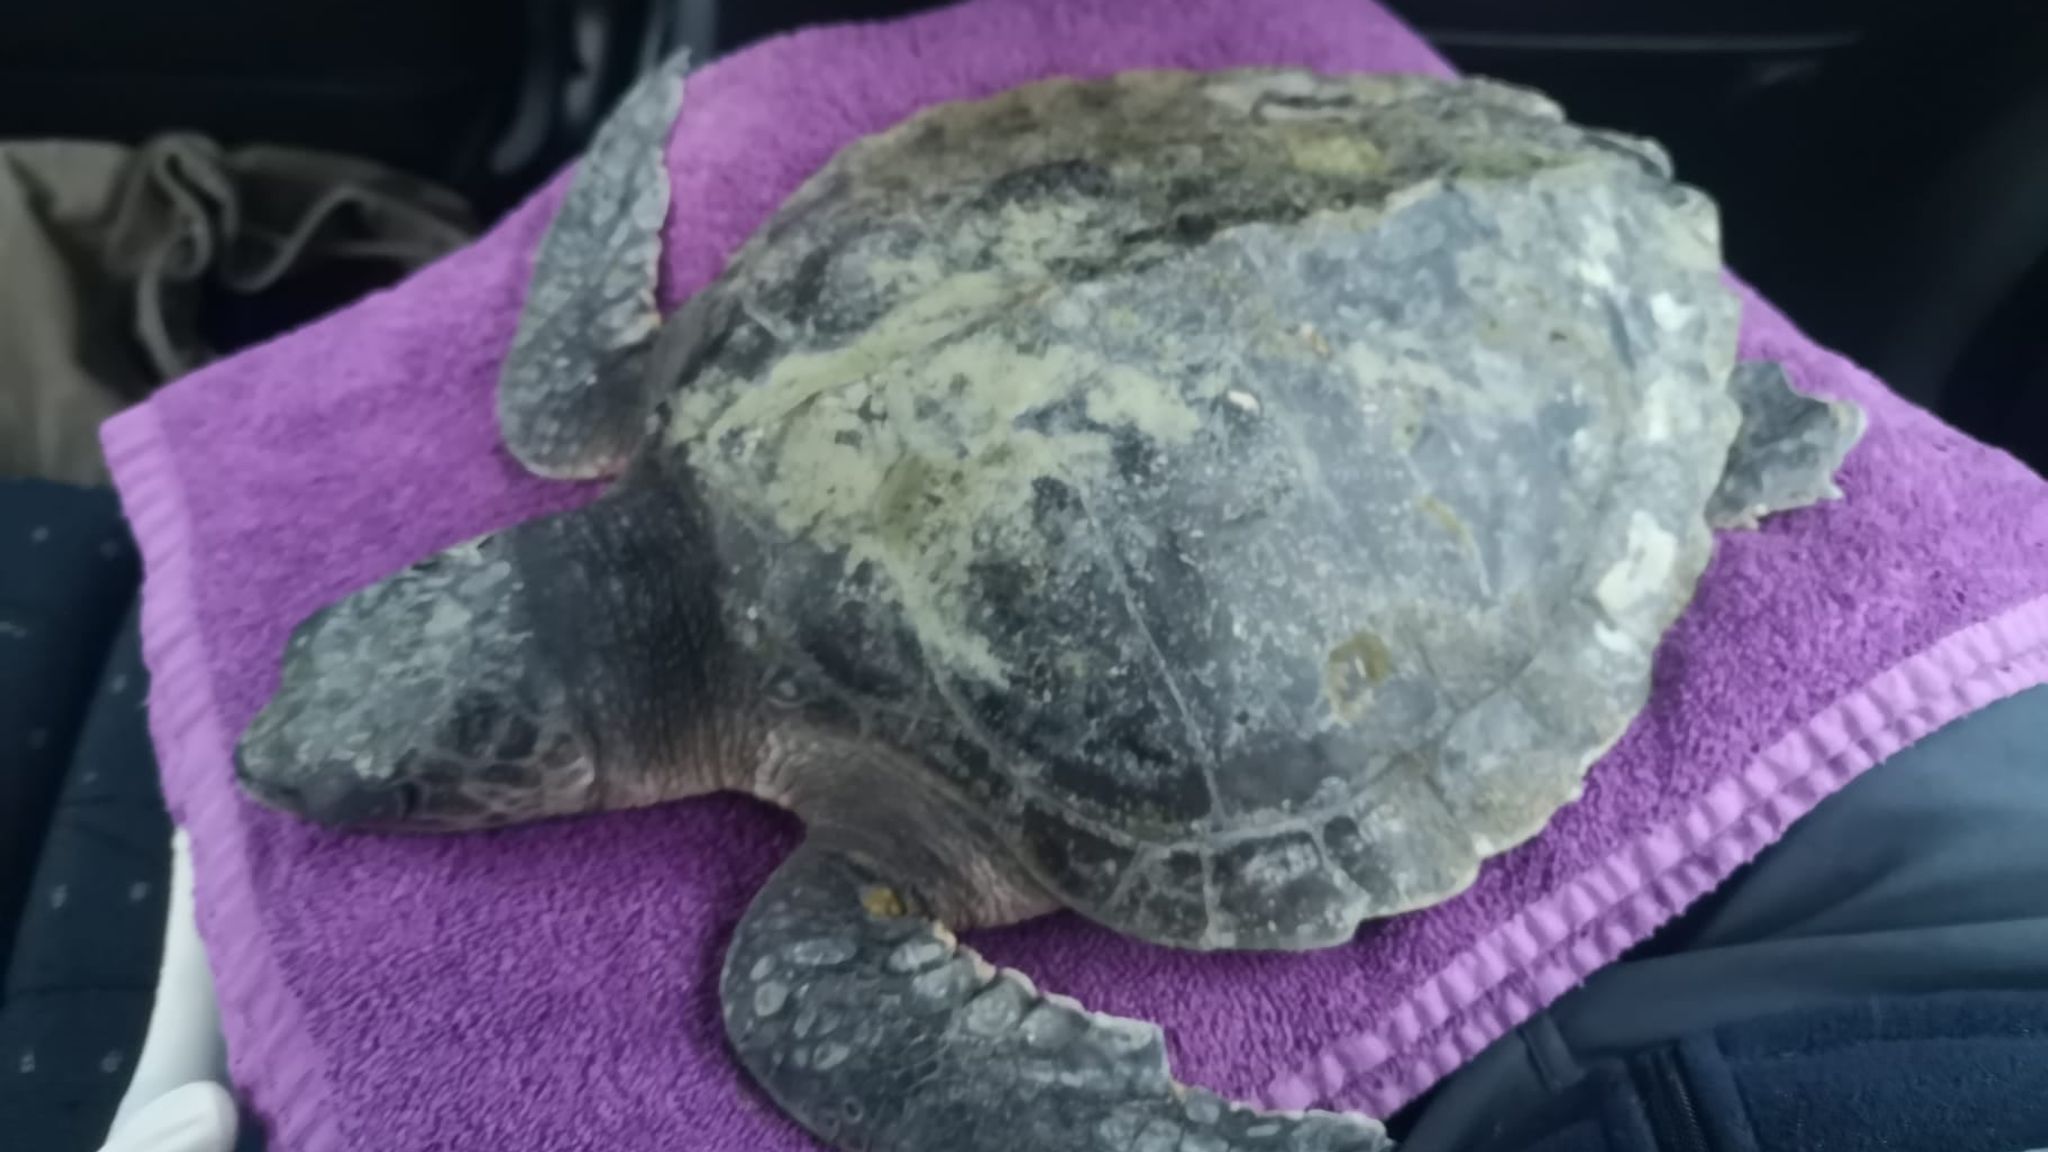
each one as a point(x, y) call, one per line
point(1957, 1072)
point(1876, 980)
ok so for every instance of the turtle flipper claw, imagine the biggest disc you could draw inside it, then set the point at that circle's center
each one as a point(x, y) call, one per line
point(874, 1028)
point(574, 395)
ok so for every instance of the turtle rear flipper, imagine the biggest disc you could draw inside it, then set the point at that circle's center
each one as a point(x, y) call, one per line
point(870, 1024)
point(574, 393)
point(1788, 450)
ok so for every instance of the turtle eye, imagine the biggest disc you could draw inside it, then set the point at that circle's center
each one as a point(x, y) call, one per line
point(411, 797)
point(782, 689)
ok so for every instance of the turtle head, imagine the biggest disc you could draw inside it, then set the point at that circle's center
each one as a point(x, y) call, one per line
point(417, 704)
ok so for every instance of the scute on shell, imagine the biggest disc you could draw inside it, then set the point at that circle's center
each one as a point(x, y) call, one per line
point(1260, 494)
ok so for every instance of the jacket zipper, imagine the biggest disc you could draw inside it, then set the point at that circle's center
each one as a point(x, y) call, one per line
point(1667, 1098)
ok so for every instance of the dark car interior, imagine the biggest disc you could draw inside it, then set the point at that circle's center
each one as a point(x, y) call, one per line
point(1881, 167)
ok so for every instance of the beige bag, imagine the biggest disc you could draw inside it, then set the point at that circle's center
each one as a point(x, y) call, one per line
point(108, 254)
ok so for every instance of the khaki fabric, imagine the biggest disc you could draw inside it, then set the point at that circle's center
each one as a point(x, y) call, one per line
point(110, 254)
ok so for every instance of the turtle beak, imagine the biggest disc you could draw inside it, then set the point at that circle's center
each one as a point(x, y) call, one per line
point(333, 795)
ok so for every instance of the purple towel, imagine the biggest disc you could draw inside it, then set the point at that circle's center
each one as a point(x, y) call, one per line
point(554, 987)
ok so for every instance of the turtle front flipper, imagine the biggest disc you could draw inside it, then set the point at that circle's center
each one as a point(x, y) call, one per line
point(574, 393)
point(1788, 449)
point(564, 665)
point(874, 1028)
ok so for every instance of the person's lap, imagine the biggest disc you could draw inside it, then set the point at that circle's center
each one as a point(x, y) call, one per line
point(1927, 875)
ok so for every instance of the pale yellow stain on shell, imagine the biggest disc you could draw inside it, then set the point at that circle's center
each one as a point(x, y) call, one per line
point(1335, 154)
point(904, 448)
point(883, 903)
point(1354, 668)
point(1443, 514)
point(1152, 406)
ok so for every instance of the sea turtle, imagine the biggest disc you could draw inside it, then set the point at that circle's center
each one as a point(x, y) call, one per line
point(1228, 505)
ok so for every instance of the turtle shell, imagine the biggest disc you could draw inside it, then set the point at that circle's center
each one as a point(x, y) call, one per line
point(1257, 494)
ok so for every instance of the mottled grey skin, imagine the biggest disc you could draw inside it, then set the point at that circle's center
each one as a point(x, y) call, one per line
point(1231, 506)
point(574, 396)
point(551, 668)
